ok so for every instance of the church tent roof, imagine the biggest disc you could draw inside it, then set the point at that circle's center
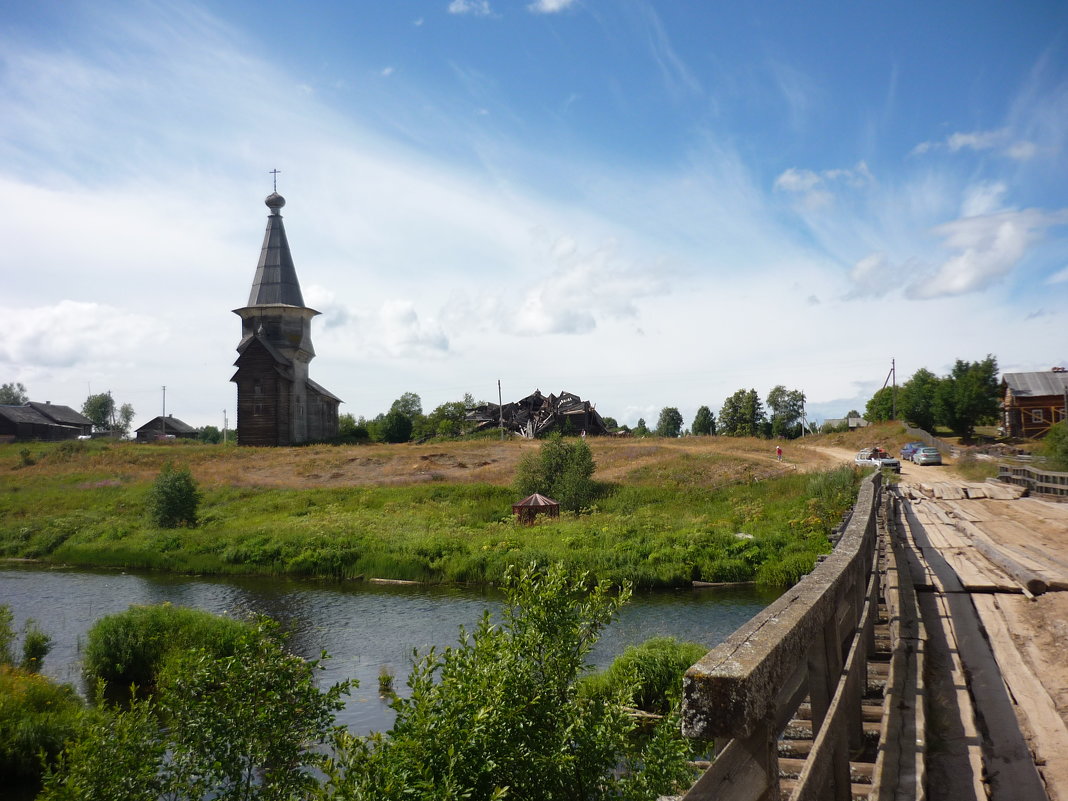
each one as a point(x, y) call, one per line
point(276, 276)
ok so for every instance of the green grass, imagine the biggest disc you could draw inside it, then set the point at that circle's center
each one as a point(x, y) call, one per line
point(690, 516)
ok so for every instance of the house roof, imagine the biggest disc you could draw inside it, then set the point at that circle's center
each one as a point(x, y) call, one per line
point(276, 276)
point(537, 499)
point(61, 414)
point(168, 424)
point(320, 390)
point(1036, 385)
point(24, 414)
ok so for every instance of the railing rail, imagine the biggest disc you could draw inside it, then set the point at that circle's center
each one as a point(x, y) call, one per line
point(1043, 482)
point(812, 642)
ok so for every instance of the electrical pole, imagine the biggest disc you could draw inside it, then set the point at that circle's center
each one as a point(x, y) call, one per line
point(224, 426)
point(893, 369)
point(500, 409)
point(163, 419)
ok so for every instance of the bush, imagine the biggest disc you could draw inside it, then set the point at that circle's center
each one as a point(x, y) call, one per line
point(35, 646)
point(560, 469)
point(130, 647)
point(652, 671)
point(36, 717)
point(1055, 446)
point(174, 498)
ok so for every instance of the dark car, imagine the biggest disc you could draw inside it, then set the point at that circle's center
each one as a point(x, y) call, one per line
point(909, 449)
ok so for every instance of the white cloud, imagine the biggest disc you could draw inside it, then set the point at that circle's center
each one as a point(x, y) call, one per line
point(387, 71)
point(817, 189)
point(983, 198)
point(1059, 277)
point(1000, 140)
point(70, 333)
point(550, 6)
point(477, 8)
point(988, 247)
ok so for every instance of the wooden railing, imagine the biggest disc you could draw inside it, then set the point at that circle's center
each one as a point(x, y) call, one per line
point(812, 643)
point(1042, 482)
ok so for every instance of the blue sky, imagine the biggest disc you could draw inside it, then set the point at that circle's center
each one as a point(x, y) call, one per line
point(648, 204)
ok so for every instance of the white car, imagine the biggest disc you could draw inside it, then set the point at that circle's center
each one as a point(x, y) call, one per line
point(877, 458)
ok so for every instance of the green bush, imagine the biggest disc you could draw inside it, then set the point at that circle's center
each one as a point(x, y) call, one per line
point(36, 717)
point(174, 498)
point(130, 647)
point(1055, 446)
point(560, 469)
point(652, 671)
point(35, 646)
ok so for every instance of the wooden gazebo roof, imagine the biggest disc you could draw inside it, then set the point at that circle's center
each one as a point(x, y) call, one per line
point(534, 505)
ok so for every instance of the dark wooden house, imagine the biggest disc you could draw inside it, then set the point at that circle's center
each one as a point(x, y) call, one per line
point(43, 422)
point(537, 415)
point(277, 403)
point(1031, 403)
point(169, 427)
point(65, 416)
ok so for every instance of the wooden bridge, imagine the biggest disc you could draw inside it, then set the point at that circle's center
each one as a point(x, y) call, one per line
point(873, 678)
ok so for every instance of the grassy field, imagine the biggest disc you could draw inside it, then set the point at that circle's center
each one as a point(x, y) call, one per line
point(669, 511)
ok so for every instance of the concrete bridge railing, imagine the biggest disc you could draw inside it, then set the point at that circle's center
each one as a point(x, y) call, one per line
point(812, 642)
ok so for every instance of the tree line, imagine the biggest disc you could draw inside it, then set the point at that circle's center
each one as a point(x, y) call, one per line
point(968, 396)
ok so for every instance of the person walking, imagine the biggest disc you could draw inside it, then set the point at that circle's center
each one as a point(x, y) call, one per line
point(778, 452)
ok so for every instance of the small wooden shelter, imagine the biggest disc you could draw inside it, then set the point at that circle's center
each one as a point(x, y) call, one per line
point(532, 506)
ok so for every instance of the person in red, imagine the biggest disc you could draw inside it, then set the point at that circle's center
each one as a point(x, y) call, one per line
point(778, 452)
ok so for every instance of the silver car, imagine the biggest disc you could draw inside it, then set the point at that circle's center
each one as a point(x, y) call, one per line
point(927, 456)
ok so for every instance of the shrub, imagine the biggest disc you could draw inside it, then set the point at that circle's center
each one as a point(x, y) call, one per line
point(562, 470)
point(652, 671)
point(131, 646)
point(35, 646)
point(174, 498)
point(36, 717)
point(1055, 446)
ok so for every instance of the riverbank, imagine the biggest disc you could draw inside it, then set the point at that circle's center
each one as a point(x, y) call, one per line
point(669, 511)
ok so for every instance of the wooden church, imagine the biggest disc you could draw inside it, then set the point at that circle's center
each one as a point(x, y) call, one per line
point(277, 404)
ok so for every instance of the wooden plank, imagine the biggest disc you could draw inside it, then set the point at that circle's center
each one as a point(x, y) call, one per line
point(1046, 729)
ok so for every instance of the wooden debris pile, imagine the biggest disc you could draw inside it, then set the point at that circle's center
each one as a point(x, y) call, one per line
point(539, 414)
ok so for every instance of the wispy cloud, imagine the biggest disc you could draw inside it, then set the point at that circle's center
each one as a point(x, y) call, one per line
point(550, 6)
point(476, 8)
point(1059, 277)
point(988, 247)
point(1001, 141)
point(816, 189)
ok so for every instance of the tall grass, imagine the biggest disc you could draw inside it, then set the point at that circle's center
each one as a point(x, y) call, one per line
point(37, 716)
point(675, 516)
point(652, 669)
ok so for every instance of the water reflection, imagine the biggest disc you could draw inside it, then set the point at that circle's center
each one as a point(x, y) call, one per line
point(364, 627)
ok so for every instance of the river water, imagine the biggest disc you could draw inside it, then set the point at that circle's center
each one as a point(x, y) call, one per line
point(364, 627)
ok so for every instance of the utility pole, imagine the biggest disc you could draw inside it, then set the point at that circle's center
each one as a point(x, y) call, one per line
point(163, 419)
point(224, 426)
point(500, 409)
point(893, 370)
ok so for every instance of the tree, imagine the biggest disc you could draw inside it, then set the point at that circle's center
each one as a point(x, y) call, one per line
point(13, 395)
point(409, 404)
point(561, 469)
point(610, 423)
point(174, 498)
point(501, 715)
point(968, 396)
point(787, 408)
point(916, 401)
point(704, 422)
point(670, 422)
point(125, 419)
point(880, 406)
point(210, 434)
point(100, 409)
point(641, 430)
point(742, 415)
point(352, 430)
point(395, 427)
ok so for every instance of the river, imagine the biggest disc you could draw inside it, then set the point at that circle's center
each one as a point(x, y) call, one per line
point(364, 627)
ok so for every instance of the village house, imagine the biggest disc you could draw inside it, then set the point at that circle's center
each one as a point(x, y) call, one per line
point(1031, 403)
point(46, 422)
point(169, 427)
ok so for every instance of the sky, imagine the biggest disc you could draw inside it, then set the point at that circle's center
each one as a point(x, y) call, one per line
point(648, 204)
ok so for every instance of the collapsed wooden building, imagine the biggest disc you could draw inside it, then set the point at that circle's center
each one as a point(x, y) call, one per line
point(537, 415)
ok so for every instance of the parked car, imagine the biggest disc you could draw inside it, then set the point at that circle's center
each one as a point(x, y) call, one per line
point(927, 456)
point(909, 449)
point(876, 457)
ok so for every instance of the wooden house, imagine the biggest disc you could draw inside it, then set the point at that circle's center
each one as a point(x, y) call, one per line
point(1031, 403)
point(26, 423)
point(537, 415)
point(277, 403)
point(169, 427)
point(65, 416)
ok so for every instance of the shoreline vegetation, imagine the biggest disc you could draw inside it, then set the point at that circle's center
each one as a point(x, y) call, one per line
point(665, 512)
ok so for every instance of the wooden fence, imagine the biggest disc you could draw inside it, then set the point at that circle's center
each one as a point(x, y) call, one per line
point(1038, 482)
point(812, 643)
